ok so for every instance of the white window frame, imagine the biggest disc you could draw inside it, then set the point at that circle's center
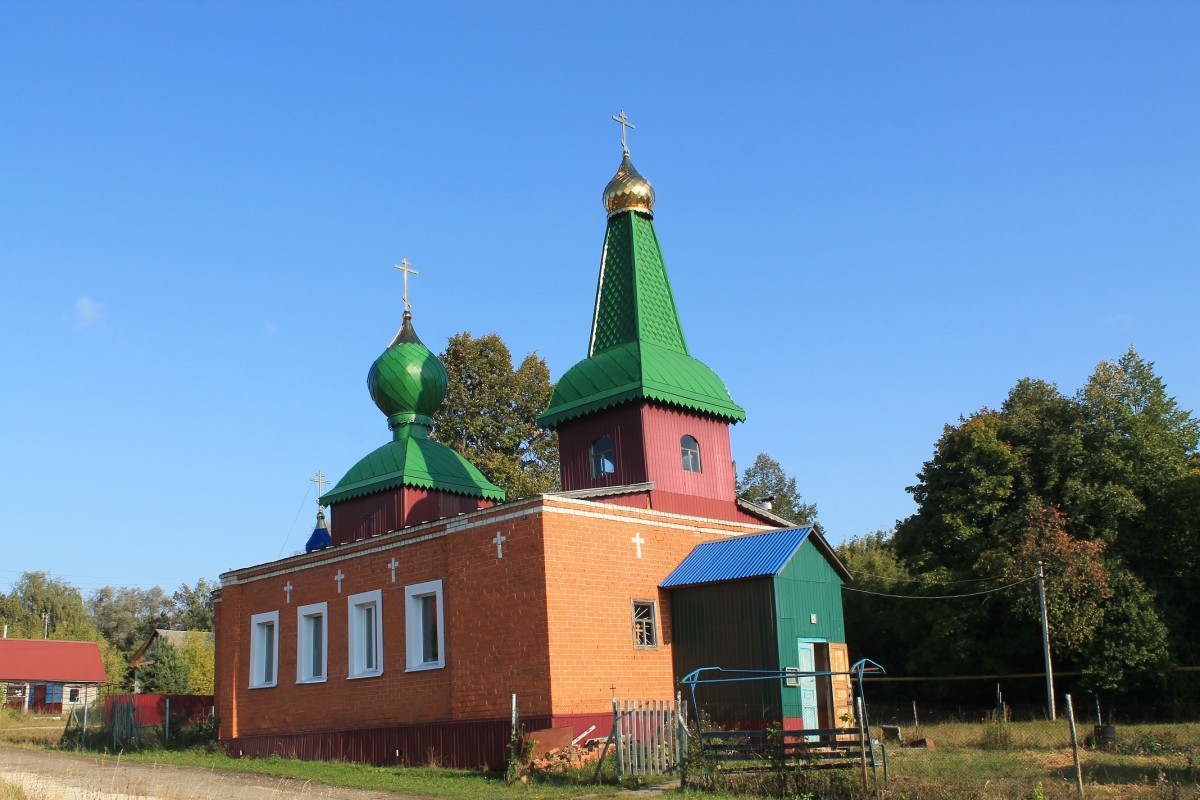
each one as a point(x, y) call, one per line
point(304, 643)
point(258, 654)
point(414, 632)
point(355, 606)
point(634, 604)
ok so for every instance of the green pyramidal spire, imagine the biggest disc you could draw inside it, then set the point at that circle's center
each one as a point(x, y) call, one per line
point(637, 348)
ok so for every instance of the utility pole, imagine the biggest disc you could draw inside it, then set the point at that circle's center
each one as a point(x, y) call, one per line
point(1041, 579)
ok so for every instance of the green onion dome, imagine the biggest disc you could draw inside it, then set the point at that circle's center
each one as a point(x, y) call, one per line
point(408, 382)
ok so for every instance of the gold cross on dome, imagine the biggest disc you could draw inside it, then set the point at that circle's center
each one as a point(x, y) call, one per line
point(407, 269)
point(319, 480)
point(625, 124)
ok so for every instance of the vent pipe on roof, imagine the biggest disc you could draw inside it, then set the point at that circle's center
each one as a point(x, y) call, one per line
point(767, 502)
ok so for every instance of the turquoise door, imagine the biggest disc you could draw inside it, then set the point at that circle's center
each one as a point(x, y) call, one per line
point(808, 685)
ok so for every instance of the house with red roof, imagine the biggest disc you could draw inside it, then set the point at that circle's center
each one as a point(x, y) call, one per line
point(49, 676)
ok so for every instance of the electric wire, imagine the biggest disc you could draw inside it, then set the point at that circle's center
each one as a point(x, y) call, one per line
point(299, 510)
point(940, 596)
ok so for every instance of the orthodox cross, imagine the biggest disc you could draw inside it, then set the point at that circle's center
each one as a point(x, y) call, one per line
point(392, 566)
point(287, 587)
point(339, 578)
point(639, 541)
point(404, 267)
point(499, 542)
point(624, 122)
point(319, 480)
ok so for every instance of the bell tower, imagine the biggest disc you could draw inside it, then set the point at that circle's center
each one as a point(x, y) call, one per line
point(640, 415)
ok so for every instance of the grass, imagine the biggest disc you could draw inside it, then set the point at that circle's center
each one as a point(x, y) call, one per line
point(971, 761)
point(38, 730)
point(10, 792)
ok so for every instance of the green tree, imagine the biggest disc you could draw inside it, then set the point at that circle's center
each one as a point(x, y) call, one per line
point(1102, 486)
point(167, 671)
point(877, 627)
point(490, 414)
point(39, 604)
point(126, 615)
point(197, 653)
point(193, 606)
point(766, 478)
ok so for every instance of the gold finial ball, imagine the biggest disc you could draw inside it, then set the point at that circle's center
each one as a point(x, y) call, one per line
point(628, 190)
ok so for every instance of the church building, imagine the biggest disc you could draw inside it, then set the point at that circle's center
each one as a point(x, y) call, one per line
point(430, 600)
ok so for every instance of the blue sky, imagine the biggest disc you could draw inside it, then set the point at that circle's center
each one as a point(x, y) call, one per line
point(876, 217)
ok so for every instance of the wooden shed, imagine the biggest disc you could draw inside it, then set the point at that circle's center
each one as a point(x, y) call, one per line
point(769, 602)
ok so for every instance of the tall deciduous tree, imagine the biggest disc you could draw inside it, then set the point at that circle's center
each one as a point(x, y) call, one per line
point(1101, 486)
point(490, 414)
point(193, 606)
point(766, 478)
point(40, 605)
point(126, 615)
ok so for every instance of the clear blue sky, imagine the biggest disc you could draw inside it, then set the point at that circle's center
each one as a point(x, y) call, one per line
point(876, 217)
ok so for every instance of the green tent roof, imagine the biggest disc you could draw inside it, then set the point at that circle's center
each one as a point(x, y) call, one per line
point(413, 461)
point(637, 349)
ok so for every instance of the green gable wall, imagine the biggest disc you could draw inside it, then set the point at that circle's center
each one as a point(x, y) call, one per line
point(807, 585)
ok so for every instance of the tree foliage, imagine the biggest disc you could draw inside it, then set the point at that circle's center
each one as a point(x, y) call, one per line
point(766, 478)
point(166, 672)
point(490, 414)
point(40, 605)
point(197, 653)
point(1102, 487)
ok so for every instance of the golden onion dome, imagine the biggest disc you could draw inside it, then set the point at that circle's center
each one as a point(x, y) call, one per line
point(628, 190)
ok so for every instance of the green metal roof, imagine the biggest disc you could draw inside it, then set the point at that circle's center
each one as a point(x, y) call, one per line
point(637, 348)
point(412, 460)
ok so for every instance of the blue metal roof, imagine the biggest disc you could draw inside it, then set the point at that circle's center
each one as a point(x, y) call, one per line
point(753, 556)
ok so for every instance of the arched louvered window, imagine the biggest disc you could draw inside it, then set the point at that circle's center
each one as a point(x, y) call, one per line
point(604, 457)
point(689, 448)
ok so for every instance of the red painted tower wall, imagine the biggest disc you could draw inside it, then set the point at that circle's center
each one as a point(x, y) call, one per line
point(394, 509)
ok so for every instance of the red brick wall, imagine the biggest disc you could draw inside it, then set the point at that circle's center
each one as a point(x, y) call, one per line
point(494, 616)
point(593, 575)
point(551, 620)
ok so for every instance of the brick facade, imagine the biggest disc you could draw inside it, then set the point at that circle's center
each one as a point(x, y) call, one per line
point(547, 616)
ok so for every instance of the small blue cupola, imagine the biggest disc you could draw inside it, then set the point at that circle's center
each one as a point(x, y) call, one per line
point(320, 538)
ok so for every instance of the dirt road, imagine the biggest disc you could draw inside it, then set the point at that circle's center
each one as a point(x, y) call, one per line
point(57, 776)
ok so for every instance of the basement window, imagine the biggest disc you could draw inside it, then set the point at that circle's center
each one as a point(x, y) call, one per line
point(425, 634)
point(312, 642)
point(604, 457)
point(366, 634)
point(689, 449)
point(645, 629)
point(264, 650)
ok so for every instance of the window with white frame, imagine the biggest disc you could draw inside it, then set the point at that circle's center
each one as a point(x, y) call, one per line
point(366, 634)
point(312, 642)
point(424, 632)
point(645, 630)
point(264, 649)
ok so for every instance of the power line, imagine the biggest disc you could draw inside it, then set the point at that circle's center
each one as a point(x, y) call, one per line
point(973, 594)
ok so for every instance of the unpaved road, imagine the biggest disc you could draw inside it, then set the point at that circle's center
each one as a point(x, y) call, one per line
point(57, 776)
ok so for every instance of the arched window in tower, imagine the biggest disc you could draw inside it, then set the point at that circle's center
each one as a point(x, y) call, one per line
point(689, 448)
point(604, 457)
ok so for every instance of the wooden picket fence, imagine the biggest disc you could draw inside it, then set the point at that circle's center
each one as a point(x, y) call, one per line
point(650, 737)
